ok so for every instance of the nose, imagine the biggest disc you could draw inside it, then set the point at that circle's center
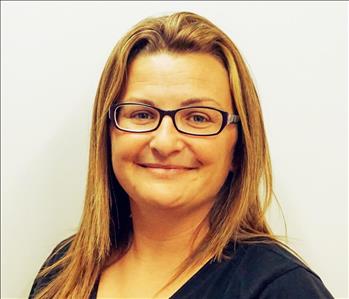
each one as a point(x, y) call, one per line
point(166, 140)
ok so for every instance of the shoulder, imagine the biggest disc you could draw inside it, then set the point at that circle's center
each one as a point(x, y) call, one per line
point(57, 253)
point(269, 256)
point(271, 271)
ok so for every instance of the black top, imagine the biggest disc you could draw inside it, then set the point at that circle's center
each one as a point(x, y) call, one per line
point(254, 271)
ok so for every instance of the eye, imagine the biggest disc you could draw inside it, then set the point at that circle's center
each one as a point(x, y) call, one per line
point(142, 115)
point(198, 118)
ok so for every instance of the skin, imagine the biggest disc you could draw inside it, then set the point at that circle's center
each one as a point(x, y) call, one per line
point(168, 204)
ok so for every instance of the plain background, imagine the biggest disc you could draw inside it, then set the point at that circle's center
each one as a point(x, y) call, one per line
point(52, 54)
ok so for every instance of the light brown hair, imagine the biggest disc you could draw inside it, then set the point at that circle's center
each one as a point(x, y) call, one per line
point(238, 214)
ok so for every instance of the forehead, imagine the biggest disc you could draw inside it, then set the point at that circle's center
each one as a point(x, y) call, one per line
point(168, 79)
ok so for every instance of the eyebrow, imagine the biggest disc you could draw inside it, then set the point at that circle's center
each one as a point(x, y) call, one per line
point(184, 103)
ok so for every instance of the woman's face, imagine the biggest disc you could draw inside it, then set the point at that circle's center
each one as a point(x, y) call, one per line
point(142, 162)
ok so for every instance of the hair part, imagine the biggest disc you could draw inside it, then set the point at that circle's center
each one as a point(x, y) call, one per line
point(238, 214)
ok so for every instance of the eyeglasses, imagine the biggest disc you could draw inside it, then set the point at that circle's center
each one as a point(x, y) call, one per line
point(193, 120)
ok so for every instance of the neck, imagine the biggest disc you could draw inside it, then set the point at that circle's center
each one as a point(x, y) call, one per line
point(167, 234)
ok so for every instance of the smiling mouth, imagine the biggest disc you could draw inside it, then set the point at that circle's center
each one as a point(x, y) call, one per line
point(163, 166)
point(161, 169)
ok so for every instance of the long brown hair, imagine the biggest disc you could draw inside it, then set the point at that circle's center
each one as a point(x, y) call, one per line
point(238, 214)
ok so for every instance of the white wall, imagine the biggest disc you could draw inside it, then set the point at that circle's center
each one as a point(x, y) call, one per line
point(52, 54)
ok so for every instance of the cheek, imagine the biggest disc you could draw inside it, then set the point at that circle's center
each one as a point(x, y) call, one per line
point(125, 146)
point(122, 150)
point(218, 153)
point(116, 150)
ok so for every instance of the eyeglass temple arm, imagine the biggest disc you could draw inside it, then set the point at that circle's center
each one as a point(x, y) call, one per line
point(233, 119)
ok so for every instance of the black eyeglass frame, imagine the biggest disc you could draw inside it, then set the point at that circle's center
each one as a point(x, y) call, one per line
point(227, 118)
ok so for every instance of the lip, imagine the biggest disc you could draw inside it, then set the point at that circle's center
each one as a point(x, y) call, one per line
point(164, 166)
point(165, 171)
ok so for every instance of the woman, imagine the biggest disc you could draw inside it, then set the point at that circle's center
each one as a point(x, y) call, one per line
point(178, 154)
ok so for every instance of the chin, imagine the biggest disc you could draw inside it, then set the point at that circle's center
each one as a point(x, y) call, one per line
point(164, 201)
point(169, 198)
